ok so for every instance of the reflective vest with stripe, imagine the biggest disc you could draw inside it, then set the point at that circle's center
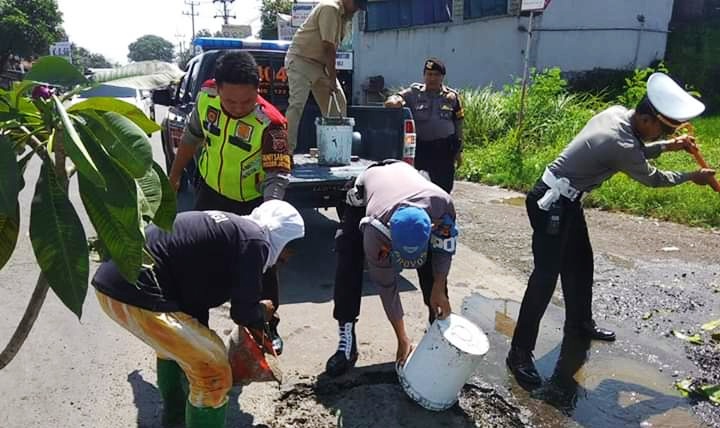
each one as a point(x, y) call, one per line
point(231, 160)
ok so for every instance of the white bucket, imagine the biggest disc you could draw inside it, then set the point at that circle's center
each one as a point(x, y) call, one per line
point(443, 361)
point(334, 138)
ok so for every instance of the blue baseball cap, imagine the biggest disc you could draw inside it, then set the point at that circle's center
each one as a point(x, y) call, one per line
point(410, 235)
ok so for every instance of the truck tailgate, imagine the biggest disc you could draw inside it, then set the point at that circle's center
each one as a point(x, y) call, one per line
point(307, 170)
point(312, 185)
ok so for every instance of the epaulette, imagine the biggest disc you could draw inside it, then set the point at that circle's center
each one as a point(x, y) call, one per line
point(209, 87)
point(451, 93)
point(268, 113)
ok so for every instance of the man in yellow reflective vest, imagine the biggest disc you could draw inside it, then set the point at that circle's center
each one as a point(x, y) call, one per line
point(245, 158)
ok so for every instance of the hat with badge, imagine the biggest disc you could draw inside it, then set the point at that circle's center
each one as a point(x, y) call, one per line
point(434, 64)
point(670, 100)
point(410, 234)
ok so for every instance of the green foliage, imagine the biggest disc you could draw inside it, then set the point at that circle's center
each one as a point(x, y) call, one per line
point(269, 10)
point(9, 189)
point(27, 28)
point(150, 47)
point(693, 53)
point(58, 240)
point(84, 59)
point(55, 70)
point(126, 109)
point(635, 86)
point(608, 84)
point(121, 188)
point(497, 153)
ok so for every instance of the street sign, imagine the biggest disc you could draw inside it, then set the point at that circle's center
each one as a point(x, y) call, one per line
point(534, 5)
point(63, 49)
point(285, 29)
point(300, 12)
point(236, 31)
point(344, 61)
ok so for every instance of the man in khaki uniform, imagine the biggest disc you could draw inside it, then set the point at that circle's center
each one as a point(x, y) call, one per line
point(310, 60)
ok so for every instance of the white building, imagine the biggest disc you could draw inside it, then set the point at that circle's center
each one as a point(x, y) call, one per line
point(483, 41)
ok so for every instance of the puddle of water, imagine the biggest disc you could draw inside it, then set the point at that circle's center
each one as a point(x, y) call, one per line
point(587, 384)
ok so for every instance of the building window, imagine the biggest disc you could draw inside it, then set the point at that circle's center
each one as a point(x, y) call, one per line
point(389, 14)
point(483, 8)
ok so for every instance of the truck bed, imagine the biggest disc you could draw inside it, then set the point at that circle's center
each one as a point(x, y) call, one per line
point(307, 170)
point(318, 186)
point(312, 185)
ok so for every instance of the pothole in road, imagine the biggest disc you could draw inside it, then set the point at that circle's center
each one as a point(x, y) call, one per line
point(373, 398)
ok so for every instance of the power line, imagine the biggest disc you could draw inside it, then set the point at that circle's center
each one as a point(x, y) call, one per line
point(225, 14)
point(192, 14)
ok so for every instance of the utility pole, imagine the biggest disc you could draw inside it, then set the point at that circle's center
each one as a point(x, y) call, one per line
point(225, 14)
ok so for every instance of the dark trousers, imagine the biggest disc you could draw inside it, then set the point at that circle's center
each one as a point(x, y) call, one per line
point(437, 157)
point(567, 254)
point(209, 199)
point(350, 266)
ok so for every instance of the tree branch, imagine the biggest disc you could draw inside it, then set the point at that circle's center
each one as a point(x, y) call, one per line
point(37, 145)
point(27, 322)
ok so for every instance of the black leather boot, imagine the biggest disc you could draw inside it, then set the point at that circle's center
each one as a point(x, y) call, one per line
point(590, 330)
point(520, 363)
point(346, 355)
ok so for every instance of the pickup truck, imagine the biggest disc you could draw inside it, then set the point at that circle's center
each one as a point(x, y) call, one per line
point(385, 133)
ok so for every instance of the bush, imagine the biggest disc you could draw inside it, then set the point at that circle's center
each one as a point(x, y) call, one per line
point(692, 54)
point(497, 153)
point(608, 84)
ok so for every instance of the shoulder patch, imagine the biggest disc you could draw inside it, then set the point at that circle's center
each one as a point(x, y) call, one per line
point(418, 86)
point(276, 154)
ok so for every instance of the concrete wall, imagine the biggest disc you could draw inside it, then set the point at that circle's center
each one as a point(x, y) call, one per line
point(575, 35)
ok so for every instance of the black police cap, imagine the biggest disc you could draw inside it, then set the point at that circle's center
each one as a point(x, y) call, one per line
point(434, 64)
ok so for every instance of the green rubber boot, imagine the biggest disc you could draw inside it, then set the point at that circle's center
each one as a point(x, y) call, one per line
point(205, 417)
point(172, 384)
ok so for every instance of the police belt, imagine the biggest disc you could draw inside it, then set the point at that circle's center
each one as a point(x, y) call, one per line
point(447, 139)
point(558, 186)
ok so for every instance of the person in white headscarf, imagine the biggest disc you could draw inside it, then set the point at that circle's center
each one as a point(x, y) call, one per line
point(209, 258)
point(281, 224)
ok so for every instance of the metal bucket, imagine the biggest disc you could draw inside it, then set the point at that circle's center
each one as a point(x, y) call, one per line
point(443, 362)
point(334, 138)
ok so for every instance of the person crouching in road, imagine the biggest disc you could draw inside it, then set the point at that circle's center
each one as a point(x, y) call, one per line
point(245, 158)
point(209, 258)
point(613, 141)
point(395, 219)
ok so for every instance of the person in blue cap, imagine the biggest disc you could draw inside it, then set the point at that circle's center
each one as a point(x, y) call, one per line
point(615, 140)
point(395, 219)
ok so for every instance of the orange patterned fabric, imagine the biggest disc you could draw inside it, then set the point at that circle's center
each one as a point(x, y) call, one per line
point(178, 336)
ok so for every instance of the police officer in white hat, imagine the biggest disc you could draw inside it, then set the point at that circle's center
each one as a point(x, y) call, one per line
point(615, 140)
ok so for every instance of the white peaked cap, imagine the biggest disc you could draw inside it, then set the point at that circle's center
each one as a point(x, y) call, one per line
point(672, 101)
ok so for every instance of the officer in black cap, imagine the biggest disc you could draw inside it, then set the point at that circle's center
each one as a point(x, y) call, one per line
point(438, 116)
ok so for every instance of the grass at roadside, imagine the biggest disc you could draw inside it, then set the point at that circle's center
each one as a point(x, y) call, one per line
point(494, 154)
